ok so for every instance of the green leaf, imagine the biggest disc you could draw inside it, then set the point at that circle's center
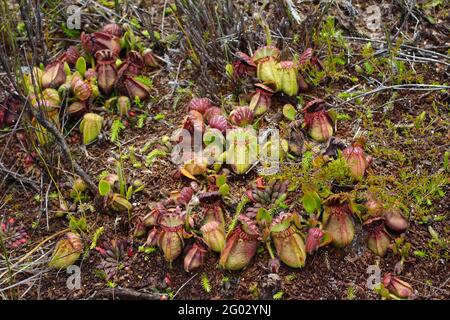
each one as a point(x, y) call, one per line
point(96, 236)
point(170, 9)
point(103, 188)
point(432, 4)
point(138, 102)
point(141, 120)
point(289, 112)
point(152, 156)
point(358, 69)
point(116, 128)
point(307, 159)
point(264, 215)
point(291, 277)
point(144, 80)
point(433, 233)
point(333, 115)
point(71, 33)
point(279, 202)
point(135, 22)
point(420, 253)
point(78, 224)
point(106, 3)
point(150, 250)
point(369, 68)
point(128, 40)
point(244, 201)
point(130, 192)
point(446, 161)
point(224, 189)
point(278, 295)
point(358, 209)
point(311, 202)
point(221, 180)
point(205, 283)
point(281, 226)
point(326, 239)
point(343, 117)
point(81, 66)
point(229, 70)
point(170, 38)
point(67, 69)
point(340, 61)
point(21, 27)
point(419, 119)
point(110, 102)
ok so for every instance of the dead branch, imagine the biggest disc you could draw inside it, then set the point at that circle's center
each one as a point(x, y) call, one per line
point(125, 294)
point(18, 177)
point(411, 87)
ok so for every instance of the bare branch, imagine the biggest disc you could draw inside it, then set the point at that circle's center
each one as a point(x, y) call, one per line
point(19, 177)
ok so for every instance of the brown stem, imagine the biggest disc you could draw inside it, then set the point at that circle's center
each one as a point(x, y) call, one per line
point(126, 294)
point(18, 177)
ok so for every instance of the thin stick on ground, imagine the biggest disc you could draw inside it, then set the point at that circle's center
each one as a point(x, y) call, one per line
point(413, 87)
point(19, 177)
point(29, 253)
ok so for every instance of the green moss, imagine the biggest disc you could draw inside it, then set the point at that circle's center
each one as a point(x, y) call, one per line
point(317, 174)
point(387, 153)
point(336, 171)
point(413, 193)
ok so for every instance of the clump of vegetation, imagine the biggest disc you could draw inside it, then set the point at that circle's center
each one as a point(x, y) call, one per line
point(116, 255)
